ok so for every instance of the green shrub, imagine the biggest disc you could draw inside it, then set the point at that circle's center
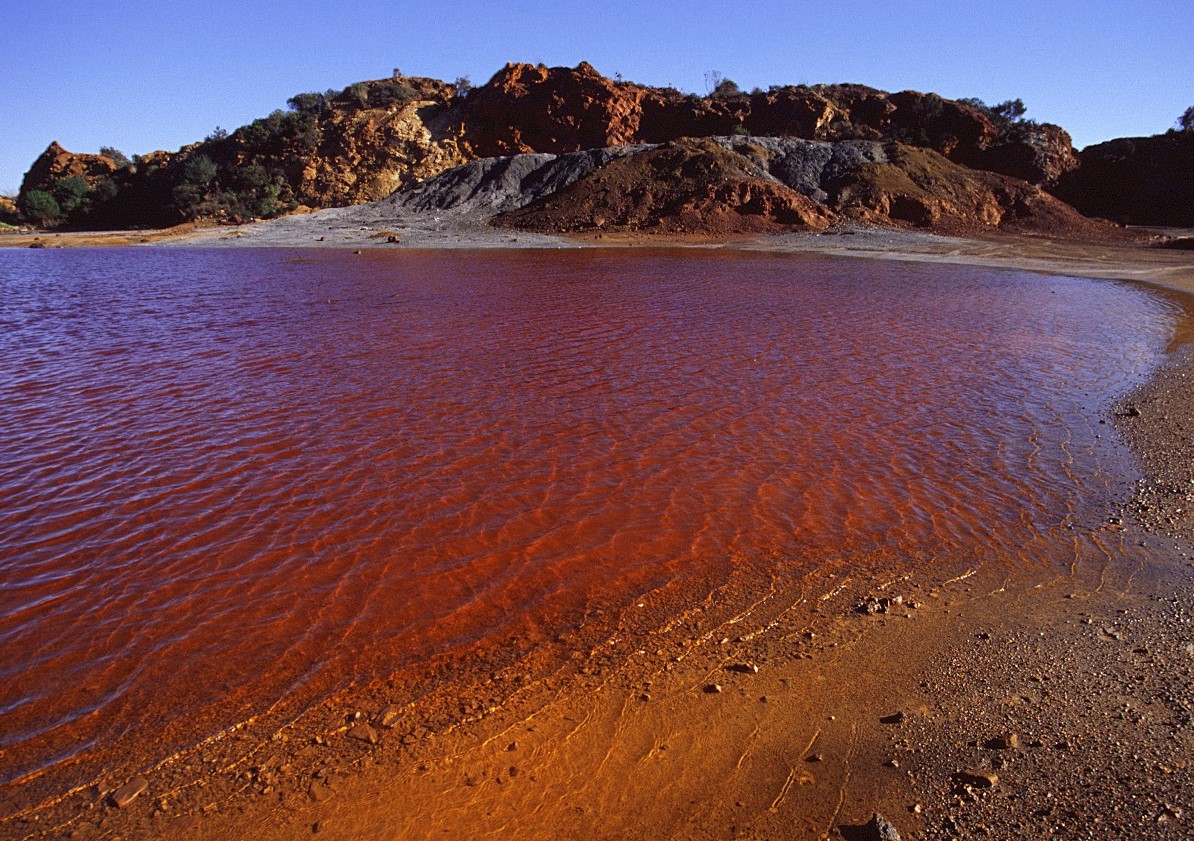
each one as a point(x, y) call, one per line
point(726, 88)
point(252, 177)
point(40, 207)
point(117, 157)
point(199, 171)
point(307, 102)
point(389, 92)
point(104, 190)
point(69, 193)
point(355, 94)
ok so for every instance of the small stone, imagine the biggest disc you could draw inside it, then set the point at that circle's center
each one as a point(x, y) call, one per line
point(1004, 741)
point(712, 688)
point(319, 792)
point(389, 717)
point(977, 778)
point(744, 668)
point(814, 757)
point(123, 797)
point(363, 732)
point(877, 829)
point(894, 718)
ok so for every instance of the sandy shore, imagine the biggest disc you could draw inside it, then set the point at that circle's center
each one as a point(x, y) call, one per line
point(962, 702)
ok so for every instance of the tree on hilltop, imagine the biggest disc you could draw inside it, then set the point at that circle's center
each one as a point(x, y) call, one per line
point(1186, 121)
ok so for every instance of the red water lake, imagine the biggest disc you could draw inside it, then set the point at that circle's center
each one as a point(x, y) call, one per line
point(229, 477)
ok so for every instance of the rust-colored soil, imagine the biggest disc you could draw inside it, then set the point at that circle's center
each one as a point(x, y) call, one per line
point(98, 239)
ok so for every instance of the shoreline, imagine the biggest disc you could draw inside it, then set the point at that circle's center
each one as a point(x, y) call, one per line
point(816, 757)
point(1163, 267)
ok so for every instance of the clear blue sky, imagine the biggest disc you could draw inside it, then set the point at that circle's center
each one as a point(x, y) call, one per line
point(142, 76)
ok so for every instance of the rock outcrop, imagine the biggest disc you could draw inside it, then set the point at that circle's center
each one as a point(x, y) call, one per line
point(8, 211)
point(533, 108)
point(1136, 180)
point(1038, 153)
point(56, 163)
point(366, 153)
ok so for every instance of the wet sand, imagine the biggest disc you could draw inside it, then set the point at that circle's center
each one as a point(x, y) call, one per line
point(774, 707)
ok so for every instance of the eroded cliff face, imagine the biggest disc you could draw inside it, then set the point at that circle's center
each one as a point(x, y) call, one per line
point(364, 155)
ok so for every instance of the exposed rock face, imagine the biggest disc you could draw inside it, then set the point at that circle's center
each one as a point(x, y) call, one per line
point(1136, 180)
point(726, 185)
point(56, 163)
point(8, 211)
point(528, 108)
point(367, 154)
point(688, 186)
point(1036, 153)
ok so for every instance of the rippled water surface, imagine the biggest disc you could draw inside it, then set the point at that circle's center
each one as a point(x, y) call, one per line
point(226, 477)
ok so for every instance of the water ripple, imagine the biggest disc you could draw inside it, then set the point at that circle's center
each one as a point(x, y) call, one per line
point(232, 476)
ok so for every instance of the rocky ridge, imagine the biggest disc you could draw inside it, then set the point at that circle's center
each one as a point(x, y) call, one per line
point(363, 143)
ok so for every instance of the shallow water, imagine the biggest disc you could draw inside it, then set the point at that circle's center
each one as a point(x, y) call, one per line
point(232, 477)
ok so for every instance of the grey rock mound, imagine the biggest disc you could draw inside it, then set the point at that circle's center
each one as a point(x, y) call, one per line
point(491, 186)
point(812, 167)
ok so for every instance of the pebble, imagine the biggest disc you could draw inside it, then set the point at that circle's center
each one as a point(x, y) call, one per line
point(894, 718)
point(363, 732)
point(878, 828)
point(713, 688)
point(123, 797)
point(389, 717)
point(1004, 741)
point(976, 777)
point(744, 668)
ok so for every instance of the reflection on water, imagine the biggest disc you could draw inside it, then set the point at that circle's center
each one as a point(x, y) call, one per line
point(226, 477)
